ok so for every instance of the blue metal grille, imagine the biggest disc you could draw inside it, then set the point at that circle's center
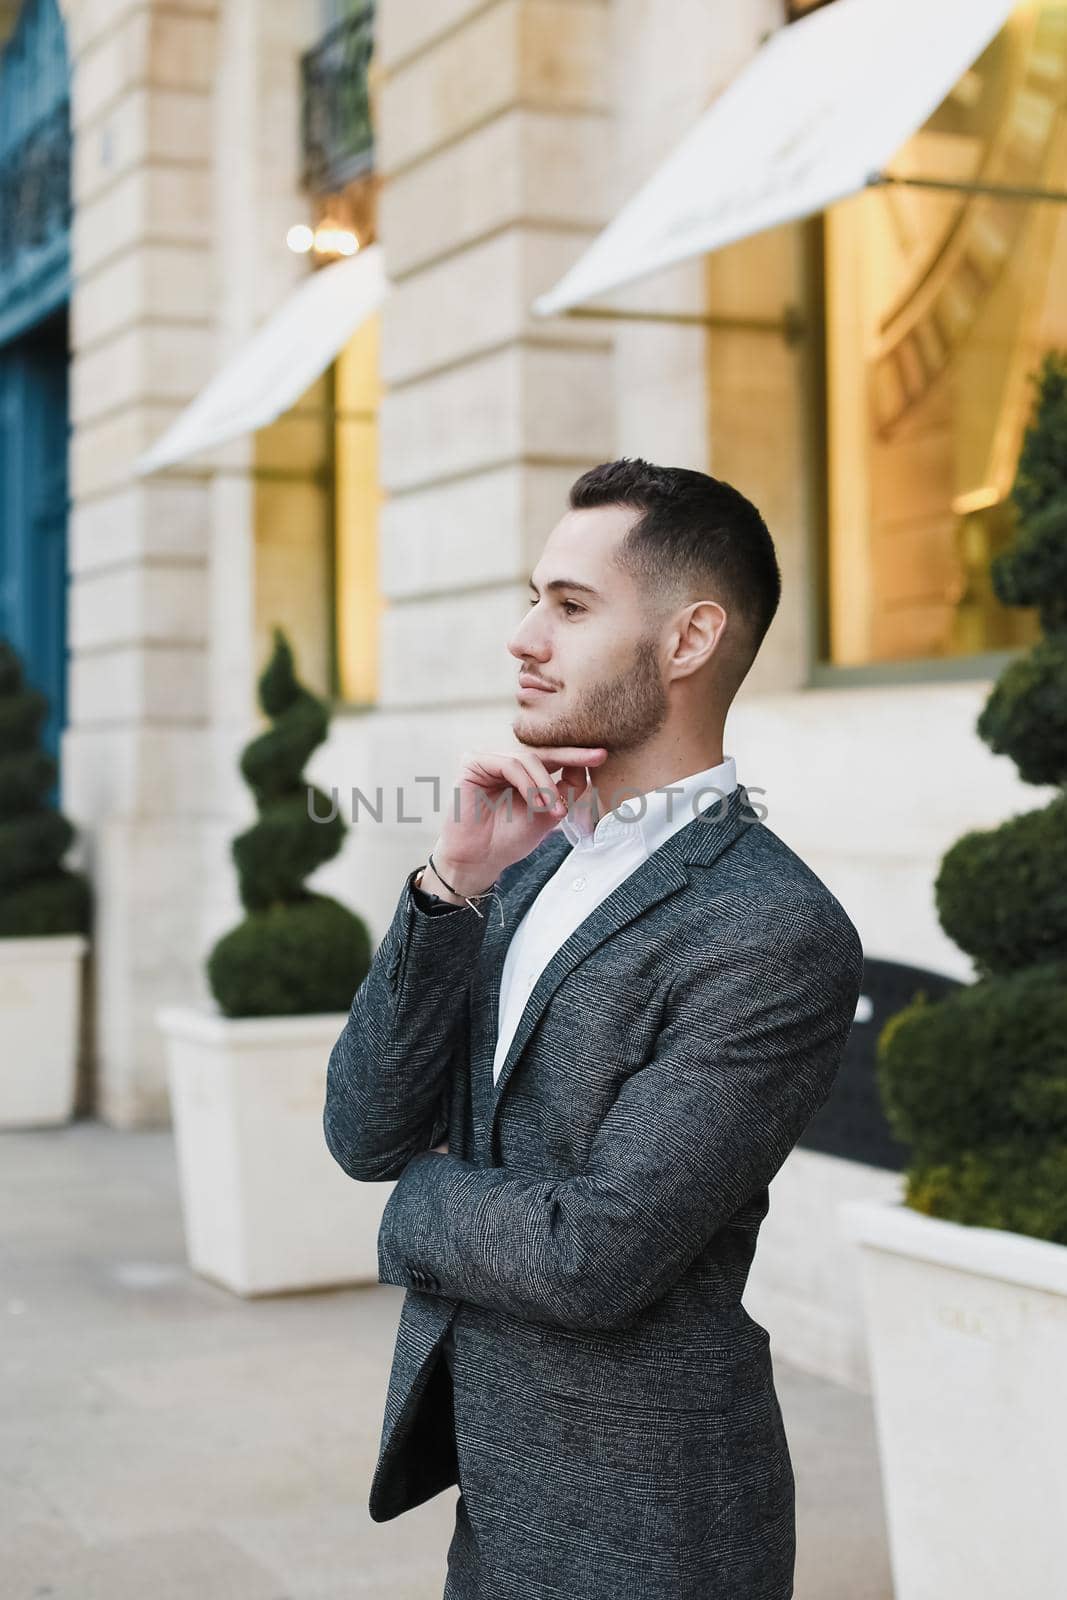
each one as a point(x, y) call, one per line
point(338, 138)
point(35, 160)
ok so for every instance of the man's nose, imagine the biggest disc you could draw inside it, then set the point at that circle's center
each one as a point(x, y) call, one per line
point(527, 642)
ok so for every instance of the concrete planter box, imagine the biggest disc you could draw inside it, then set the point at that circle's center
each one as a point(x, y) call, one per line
point(40, 1014)
point(967, 1330)
point(804, 1285)
point(266, 1208)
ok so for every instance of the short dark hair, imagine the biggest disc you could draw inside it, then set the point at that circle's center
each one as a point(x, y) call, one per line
point(697, 532)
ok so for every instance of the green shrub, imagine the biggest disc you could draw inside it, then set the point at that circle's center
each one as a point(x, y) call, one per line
point(296, 952)
point(38, 895)
point(976, 1082)
point(1001, 893)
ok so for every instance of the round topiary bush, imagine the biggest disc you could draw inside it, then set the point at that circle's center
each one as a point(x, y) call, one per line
point(976, 1082)
point(38, 895)
point(296, 952)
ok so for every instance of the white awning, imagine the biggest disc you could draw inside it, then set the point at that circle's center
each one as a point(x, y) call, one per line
point(284, 356)
point(817, 113)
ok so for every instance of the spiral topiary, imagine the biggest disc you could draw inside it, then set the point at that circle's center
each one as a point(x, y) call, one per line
point(976, 1082)
point(296, 952)
point(38, 895)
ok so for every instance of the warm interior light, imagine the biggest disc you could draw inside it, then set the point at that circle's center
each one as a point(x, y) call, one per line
point(976, 500)
point(334, 241)
point(300, 238)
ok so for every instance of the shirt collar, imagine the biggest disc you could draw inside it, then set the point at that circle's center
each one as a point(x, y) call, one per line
point(651, 818)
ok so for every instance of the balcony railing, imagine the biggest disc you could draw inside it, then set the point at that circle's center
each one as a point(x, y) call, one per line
point(35, 187)
point(338, 139)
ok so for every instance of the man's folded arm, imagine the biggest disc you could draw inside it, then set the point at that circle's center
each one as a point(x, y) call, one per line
point(389, 1073)
point(753, 1040)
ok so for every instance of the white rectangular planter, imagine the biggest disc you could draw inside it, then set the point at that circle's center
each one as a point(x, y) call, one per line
point(266, 1207)
point(805, 1279)
point(968, 1345)
point(40, 1013)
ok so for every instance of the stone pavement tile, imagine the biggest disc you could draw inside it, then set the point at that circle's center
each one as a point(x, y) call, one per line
point(41, 1563)
point(121, 1475)
point(42, 1389)
point(163, 1438)
point(310, 1548)
point(842, 1550)
point(397, 1588)
point(308, 1370)
point(37, 1552)
point(86, 1316)
point(21, 1502)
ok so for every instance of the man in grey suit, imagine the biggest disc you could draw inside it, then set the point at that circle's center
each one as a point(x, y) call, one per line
point(601, 1017)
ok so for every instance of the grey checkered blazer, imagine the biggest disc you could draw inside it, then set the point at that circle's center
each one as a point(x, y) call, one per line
point(611, 1420)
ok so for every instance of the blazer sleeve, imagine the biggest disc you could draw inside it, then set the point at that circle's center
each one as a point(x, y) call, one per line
point(389, 1074)
point(753, 1038)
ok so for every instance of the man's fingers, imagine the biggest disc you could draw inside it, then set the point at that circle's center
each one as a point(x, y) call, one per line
point(569, 755)
point(530, 770)
point(538, 790)
point(574, 778)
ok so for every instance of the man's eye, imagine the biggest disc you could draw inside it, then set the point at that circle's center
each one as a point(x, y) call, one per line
point(572, 604)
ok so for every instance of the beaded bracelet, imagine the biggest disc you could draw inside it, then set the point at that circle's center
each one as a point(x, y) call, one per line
point(486, 894)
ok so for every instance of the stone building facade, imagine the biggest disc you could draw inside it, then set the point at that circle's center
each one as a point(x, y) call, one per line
point(507, 134)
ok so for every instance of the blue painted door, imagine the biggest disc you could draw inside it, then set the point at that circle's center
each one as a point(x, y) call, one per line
point(34, 291)
point(33, 512)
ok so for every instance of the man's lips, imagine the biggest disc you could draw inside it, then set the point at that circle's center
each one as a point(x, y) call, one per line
point(526, 682)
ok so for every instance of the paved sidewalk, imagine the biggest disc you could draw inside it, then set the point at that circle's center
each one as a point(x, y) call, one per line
point(161, 1437)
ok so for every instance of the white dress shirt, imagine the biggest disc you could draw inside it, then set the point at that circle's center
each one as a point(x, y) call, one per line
point(599, 861)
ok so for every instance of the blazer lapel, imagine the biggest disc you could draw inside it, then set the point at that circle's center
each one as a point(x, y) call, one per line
point(664, 873)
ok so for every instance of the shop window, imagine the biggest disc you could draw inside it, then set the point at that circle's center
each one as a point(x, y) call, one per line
point(357, 598)
point(337, 126)
point(938, 306)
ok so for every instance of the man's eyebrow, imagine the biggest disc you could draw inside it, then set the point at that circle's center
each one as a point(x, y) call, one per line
point(556, 584)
